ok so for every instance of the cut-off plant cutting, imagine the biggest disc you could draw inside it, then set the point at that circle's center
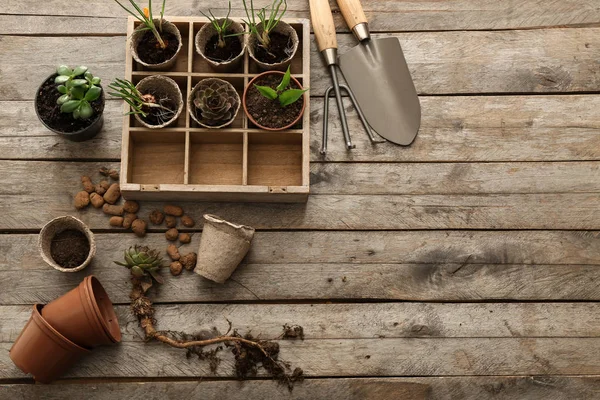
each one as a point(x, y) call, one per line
point(147, 19)
point(142, 104)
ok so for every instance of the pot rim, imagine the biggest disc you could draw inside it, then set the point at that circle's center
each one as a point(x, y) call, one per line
point(53, 334)
point(82, 227)
point(179, 101)
point(37, 113)
point(252, 118)
point(91, 296)
point(191, 106)
point(164, 63)
point(213, 62)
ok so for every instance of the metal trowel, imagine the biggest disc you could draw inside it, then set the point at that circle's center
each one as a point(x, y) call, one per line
point(377, 73)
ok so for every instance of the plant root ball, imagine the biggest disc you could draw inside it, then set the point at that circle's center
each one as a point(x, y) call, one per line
point(185, 238)
point(171, 221)
point(128, 220)
point(131, 206)
point(156, 217)
point(175, 211)
point(96, 200)
point(88, 186)
point(82, 200)
point(172, 234)
point(114, 174)
point(112, 209)
point(189, 261)
point(176, 268)
point(116, 221)
point(112, 194)
point(139, 227)
point(187, 221)
point(173, 252)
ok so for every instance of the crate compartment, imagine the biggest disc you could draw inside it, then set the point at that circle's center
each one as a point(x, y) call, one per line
point(181, 64)
point(216, 158)
point(274, 159)
point(199, 65)
point(182, 83)
point(238, 84)
point(157, 157)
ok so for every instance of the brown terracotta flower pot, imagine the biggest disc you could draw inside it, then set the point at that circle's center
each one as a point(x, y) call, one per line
point(85, 315)
point(42, 351)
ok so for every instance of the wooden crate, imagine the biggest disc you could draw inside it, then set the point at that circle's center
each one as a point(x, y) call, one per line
point(239, 163)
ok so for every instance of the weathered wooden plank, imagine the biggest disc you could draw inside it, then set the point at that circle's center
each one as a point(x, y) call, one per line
point(426, 388)
point(354, 357)
point(355, 321)
point(440, 62)
point(386, 15)
point(490, 128)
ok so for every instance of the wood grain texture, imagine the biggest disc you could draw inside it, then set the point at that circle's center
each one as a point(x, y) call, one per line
point(362, 357)
point(542, 61)
point(425, 388)
point(383, 15)
point(463, 129)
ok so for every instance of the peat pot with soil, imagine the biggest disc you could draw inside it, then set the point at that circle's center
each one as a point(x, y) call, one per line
point(272, 43)
point(67, 244)
point(70, 102)
point(274, 101)
point(155, 42)
point(221, 43)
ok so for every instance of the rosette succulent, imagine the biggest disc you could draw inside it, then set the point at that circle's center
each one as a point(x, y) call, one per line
point(143, 262)
point(217, 103)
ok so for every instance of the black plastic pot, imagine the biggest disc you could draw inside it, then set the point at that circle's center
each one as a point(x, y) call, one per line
point(78, 136)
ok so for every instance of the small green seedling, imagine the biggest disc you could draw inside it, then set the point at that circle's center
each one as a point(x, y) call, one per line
point(222, 27)
point(140, 103)
point(285, 95)
point(145, 17)
point(77, 93)
point(268, 23)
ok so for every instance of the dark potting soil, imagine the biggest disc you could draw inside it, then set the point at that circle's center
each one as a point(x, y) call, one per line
point(233, 47)
point(50, 113)
point(70, 248)
point(278, 49)
point(150, 52)
point(269, 113)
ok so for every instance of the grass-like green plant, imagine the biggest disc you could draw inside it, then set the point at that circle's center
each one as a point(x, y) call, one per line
point(77, 93)
point(268, 22)
point(140, 103)
point(283, 93)
point(145, 17)
point(221, 28)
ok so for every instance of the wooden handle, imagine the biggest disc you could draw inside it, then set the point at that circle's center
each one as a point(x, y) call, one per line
point(322, 22)
point(353, 12)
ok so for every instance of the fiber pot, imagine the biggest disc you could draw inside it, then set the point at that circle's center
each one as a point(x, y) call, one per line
point(223, 245)
point(85, 315)
point(42, 351)
point(249, 115)
point(137, 36)
point(207, 82)
point(206, 33)
point(161, 87)
point(283, 28)
point(56, 226)
point(80, 135)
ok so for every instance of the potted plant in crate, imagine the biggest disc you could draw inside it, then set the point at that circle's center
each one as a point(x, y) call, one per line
point(220, 42)
point(214, 103)
point(155, 43)
point(274, 101)
point(71, 103)
point(272, 43)
point(156, 101)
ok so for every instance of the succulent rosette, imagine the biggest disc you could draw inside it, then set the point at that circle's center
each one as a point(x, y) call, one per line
point(216, 103)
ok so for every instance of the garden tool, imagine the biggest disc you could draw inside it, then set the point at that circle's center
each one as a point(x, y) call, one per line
point(324, 28)
point(377, 73)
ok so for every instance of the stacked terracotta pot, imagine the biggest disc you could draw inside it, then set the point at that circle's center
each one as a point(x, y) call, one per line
point(58, 334)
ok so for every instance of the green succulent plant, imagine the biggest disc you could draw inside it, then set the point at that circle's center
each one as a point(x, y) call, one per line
point(282, 93)
point(143, 262)
point(216, 102)
point(77, 93)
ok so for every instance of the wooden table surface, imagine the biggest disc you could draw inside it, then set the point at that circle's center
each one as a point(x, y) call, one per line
point(466, 266)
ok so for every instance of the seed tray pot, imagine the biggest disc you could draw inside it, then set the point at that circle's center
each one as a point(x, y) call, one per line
point(241, 162)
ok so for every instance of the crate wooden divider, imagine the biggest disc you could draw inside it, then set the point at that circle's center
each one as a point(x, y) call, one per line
point(238, 163)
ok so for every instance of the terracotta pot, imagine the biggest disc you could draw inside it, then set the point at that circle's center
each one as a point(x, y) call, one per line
point(206, 33)
point(42, 351)
point(192, 108)
point(85, 315)
point(285, 29)
point(223, 246)
point(251, 118)
point(161, 87)
point(137, 35)
point(56, 226)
